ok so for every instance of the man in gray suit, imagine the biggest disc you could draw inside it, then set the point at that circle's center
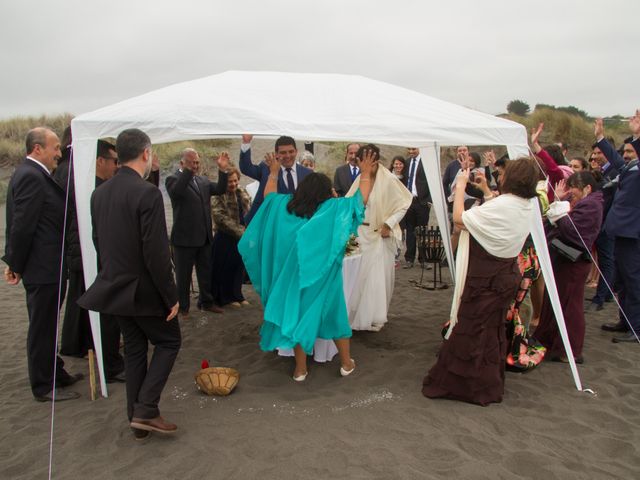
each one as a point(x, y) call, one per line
point(347, 173)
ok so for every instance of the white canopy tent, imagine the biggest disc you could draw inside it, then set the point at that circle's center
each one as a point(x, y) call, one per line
point(327, 107)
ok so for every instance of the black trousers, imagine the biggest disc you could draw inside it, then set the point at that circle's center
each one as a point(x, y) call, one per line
point(185, 258)
point(42, 306)
point(110, 330)
point(627, 257)
point(76, 337)
point(417, 215)
point(145, 381)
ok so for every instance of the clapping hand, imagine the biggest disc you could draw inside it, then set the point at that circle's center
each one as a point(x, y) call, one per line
point(223, 161)
point(535, 137)
point(463, 178)
point(561, 190)
point(598, 129)
point(272, 161)
point(634, 124)
point(489, 158)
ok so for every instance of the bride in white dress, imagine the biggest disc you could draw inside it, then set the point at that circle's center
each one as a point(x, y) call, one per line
point(379, 238)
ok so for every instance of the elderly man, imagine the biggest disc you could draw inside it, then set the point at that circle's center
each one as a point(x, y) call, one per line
point(291, 173)
point(135, 281)
point(192, 234)
point(623, 224)
point(33, 253)
point(346, 174)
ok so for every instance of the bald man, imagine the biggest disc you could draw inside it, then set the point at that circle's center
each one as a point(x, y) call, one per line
point(192, 232)
point(33, 253)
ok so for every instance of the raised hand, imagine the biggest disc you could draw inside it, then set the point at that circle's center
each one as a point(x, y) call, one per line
point(598, 129)
point(561, 189)
point(246, 138)
point(463, 178)
point(272, 161)
point(367, 162)
point(536, 132)
point(634, 124)
point(489, 158)
point(223, 161)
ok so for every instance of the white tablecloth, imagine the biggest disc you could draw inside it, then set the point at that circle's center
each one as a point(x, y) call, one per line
point(325, 350)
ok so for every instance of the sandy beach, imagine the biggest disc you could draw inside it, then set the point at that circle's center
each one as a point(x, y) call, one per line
point(373, 424)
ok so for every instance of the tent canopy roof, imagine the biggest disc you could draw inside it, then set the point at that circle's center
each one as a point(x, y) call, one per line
point(330, 107)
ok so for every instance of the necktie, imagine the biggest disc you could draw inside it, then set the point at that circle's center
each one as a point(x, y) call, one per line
point(354, 173)
point(412, 170)
point(290, 184)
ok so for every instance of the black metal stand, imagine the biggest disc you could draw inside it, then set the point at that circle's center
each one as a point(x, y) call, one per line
point(430, 250)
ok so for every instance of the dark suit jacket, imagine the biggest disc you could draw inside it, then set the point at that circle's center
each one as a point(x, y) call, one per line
point(261, 173)
point(35, 217)
point(623, 219)
point(130, 235)
point(342, 179)
point(422, 187)
point(192, 207)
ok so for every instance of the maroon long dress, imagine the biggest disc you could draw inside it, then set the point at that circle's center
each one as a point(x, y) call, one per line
point(471, 365)
point(570, 277)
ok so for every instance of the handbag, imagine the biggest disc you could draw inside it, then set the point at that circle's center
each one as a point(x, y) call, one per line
point(570, 253)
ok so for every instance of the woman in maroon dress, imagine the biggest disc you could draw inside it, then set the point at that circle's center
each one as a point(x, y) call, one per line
point(470, 365)
point(580, 224)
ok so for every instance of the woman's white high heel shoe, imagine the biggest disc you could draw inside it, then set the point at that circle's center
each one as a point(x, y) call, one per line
point(301, 378)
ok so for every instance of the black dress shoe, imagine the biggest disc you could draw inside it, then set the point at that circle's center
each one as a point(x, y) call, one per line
point(60, 396)
point(593, 307)
point(119, 378)
point(626, 338)
point(67, 380)
point(615, 327)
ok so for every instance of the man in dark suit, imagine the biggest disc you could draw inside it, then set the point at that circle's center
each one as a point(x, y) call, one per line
point(33, 253)
point(290, 174)
point(135, 282)
point(76, 336)
point(192, 233)
point(347, 173)
point(604, 243)
point(623, 224)
point(418, 212)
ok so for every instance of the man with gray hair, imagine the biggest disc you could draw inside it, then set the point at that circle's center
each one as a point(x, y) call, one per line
point(33, 253)
point(192, 233)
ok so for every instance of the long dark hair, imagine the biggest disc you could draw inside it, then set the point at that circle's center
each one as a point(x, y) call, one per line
point(314, 189)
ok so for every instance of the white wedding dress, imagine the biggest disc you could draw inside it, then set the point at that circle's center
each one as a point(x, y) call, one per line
point(371, 295)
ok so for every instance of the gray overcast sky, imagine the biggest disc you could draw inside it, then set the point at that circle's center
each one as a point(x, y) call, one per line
point(79, 55)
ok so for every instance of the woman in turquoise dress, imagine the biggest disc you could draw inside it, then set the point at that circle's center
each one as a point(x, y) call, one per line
point(293, 250)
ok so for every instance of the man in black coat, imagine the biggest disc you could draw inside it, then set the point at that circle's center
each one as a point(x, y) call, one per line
point(192, 233)
point(418, 212)
point(347, 173)
point(135, 281)
point(33, 253)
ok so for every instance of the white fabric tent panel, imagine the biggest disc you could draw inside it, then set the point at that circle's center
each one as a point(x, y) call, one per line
point(328, 107)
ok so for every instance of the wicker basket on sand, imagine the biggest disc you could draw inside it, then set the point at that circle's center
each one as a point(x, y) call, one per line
point(217, 380)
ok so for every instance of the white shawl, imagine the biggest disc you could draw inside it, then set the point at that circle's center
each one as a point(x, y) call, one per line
point(501, 226)
point(391, 198)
